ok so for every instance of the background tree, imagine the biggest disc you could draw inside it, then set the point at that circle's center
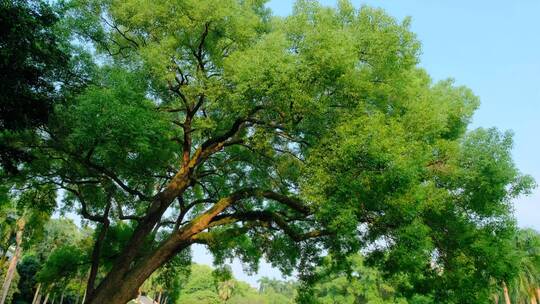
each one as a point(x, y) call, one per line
point(27, 270)
point(168, 281)
point(277, 291)
point(356, 284)
point(200, 288)
point(525, 286)
point(61, 267)
point(215, 123)
point(204, 285)
point(43, 261)
point(31, 209)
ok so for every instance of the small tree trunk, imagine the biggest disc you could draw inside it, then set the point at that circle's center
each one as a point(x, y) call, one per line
point(159, 297)
point(34, 301)
point(533, 297)
point(62, 297)
point(13, 263)
point(506, 295)
point(46, 298)
point(538, 294)
point(9, 275)
point(84, 297)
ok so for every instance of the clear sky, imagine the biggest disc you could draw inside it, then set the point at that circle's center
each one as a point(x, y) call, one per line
point(491, 46)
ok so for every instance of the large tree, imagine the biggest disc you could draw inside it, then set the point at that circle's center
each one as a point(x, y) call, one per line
point(213, 122)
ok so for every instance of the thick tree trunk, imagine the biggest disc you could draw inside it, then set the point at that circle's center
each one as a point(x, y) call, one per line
point(114, 288)
point(97, 252)
point(124, 286)
point(506, 295)
point(34, 301)
point(13, 263)
point(126, 276)
point(118, 289)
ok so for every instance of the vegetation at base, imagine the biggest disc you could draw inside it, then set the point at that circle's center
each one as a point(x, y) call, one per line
point(60, 263)
point(314, 141)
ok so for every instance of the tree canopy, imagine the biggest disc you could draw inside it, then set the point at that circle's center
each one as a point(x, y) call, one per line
point(38, 66)
point(217, 123)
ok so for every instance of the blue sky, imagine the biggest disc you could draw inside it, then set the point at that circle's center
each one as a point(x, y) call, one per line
point(491, 46)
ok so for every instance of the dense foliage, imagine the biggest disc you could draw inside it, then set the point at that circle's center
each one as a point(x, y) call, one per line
point(216, 123)
point(38, 67)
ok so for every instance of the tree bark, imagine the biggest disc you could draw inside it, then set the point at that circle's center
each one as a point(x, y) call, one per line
point(129, 273)
point(126, 288)
point(96, 252)
point(13, 263)
point(121, 286)
point(114, 285)
point(506, 295)
point(123, 281)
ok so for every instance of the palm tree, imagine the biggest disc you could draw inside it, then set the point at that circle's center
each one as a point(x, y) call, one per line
point(225, 289)
point(526, 284)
